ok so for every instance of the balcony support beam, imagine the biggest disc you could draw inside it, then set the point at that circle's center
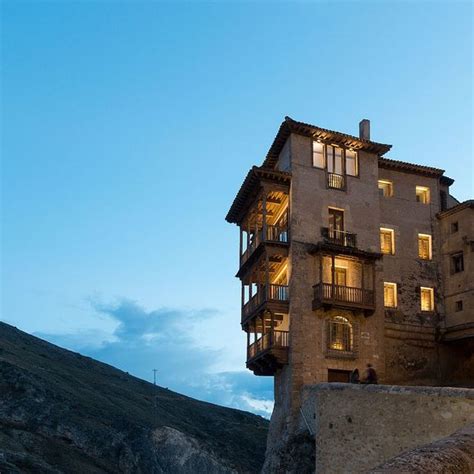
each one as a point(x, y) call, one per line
point(241, 242)
point(264, 223)
point(333, 274)
point(267, 276)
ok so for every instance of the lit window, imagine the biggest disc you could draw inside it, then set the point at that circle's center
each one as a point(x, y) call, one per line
point(318, 155)
point(340, 334)
point(390, 295)
point(423, 194)
point(427, 299)
point(352, 166)
point(387, 241)
point(458, 306)
point(336, 160)
point(457, 262)
point(385, 188)
point(424, 246)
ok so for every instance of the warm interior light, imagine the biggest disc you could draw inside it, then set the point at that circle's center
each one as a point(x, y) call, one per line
point(281, 272)
point(337, 346)
point(282, 210)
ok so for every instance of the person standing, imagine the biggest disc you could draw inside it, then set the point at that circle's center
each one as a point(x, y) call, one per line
point(354, 378)
point(370, 375)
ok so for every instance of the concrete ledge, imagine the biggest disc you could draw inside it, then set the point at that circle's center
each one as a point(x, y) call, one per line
point(393, 389)
point(358, 427)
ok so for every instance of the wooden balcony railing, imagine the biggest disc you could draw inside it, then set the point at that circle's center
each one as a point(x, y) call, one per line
point(275, 233)
point(272, 233)
point(336, 181)
point(272, 339)
point(348, 296)
point(265, 294)
point(339, 237)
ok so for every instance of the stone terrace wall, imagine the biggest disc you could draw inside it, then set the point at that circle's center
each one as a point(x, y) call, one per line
point(358, 427)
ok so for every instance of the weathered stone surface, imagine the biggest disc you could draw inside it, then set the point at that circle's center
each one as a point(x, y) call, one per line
point(62, 412)
point(451, 455)
point(357, 427)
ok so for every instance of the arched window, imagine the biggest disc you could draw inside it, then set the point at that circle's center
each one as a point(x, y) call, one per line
point(340, 335)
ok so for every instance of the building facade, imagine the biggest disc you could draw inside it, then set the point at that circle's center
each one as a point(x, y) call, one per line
point(349, 258)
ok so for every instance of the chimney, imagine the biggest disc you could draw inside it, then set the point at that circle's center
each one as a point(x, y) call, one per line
point(364, 129)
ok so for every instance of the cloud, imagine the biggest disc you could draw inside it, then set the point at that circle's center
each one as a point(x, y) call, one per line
point(170, 341)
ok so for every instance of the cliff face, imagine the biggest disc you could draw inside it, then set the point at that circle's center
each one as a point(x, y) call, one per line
point(63, 412)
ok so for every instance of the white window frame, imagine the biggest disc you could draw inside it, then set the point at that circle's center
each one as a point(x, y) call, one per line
point(427, 289)
point(389, 284)
point(423, 191)
point(392, 233)
point(386, 184)
point(430, 254)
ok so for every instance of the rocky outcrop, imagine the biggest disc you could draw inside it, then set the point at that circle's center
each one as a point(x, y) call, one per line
point(62, 412)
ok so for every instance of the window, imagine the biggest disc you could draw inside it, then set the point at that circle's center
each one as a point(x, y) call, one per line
point(335, 159)
point(336, 223)
point(427, 299)
point(423, 194)
point(318, 155)
point(458, 306)
point(443, 200)
point(390, 295)
point(340, 334)
point(352, 166)
point(424, 246)
point(387, 241)
point(457, 262)
point(340, 276)
point(454, 227)
point(385, 188)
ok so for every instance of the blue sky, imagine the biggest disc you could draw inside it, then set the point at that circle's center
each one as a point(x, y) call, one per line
point(127, 129)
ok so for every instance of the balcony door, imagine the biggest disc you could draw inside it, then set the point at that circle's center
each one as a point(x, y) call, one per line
point(340, 276)
point(334, 159)
point(336, 223)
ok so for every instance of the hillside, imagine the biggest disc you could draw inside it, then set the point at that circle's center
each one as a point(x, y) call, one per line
point(63, 412)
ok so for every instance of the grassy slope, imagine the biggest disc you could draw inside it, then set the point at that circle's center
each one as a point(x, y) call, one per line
point(94, 396)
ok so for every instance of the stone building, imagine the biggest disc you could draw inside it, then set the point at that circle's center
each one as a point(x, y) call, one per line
point(349, 258)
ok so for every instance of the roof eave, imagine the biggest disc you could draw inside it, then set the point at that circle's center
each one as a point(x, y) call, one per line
point(289, 126)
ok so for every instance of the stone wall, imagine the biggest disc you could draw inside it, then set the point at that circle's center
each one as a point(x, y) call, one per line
point(458, 286)
point(358, 427)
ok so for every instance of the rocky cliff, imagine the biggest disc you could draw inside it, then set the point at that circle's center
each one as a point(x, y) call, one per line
point(63, 412)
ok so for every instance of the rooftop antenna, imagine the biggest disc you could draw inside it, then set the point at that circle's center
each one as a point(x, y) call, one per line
point(154, 376)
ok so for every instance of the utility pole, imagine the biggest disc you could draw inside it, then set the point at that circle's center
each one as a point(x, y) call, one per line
point(154, 376)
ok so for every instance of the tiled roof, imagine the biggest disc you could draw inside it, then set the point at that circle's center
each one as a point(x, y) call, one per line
point(458, 207)
point(289, 126)
point(388, 163)
point(250, 188)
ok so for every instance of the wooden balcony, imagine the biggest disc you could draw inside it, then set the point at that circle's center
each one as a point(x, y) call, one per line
point(271, 297)
point(268, 353)
point(327, 295)
point(271, 234)
point(339, 237)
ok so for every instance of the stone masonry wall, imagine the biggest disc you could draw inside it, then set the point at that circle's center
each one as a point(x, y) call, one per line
point(358, 427)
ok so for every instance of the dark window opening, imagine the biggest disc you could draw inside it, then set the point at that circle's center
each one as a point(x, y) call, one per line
point(443, 200)
point(458, 305)
point(457, 262)
point(454, 227)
